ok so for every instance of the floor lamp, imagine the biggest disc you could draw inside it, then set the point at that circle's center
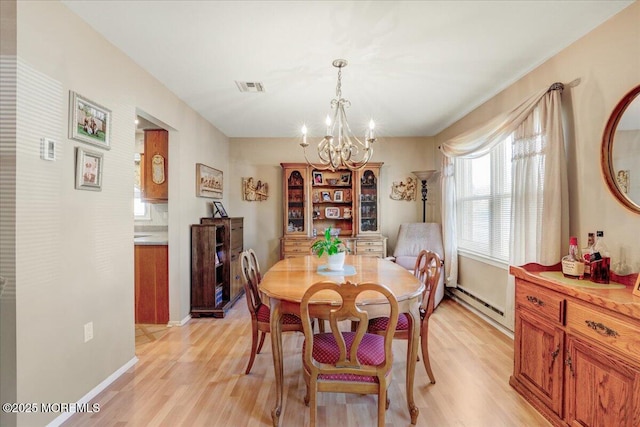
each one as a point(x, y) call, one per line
point(424, 176)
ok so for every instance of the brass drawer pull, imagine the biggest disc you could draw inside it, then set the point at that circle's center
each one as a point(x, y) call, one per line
point(535, 301)
point(601, 329)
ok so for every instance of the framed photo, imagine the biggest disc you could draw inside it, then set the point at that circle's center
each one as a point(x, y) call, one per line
point(317, 178)
point(636, 287)
point(337, 196)
point(332, 212)
point(345, 178)
point(219, 209)
point(326, 197)
point(89, 165)
point(208, 182)
point(89, 122)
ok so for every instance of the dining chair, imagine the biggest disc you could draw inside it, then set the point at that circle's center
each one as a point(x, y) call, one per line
point(254, 261)
point(260, 313)
point(428, 268)
point(346, 361)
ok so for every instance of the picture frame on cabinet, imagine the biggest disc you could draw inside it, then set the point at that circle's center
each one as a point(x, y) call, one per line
point(208, 182)
point(89, 165)
point(326, 197)
point(337, 196)
point(89, 121)
point(345, 178)
point(332, 212)
point(317, 178)
point(219, 210)
point(636, 287)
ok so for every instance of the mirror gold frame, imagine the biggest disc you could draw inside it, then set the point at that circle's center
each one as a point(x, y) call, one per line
point(608, 169)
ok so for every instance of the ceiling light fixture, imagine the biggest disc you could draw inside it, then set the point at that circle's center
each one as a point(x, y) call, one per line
point(339, 149)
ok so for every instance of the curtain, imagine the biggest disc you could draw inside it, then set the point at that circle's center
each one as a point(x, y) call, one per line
point(539, 184)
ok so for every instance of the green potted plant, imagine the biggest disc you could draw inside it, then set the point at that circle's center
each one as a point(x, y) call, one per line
point(333, 246)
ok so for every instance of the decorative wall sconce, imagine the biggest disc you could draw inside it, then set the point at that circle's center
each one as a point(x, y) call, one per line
point(254, 192)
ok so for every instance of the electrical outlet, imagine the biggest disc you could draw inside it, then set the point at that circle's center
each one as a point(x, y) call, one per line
point(88, 331)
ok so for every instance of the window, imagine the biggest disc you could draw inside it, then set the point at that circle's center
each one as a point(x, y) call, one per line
point(483, 191)
point(141, 209)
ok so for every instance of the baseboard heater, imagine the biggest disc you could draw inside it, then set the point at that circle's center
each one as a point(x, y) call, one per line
point(480, 300)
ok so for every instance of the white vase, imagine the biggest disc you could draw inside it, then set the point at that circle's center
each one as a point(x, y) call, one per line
point(336, 261)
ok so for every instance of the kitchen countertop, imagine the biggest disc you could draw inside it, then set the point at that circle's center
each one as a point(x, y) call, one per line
point(150, 238)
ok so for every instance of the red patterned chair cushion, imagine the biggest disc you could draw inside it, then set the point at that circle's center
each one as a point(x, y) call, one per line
point(264, 316)
point(370, 352)
point(381, 323)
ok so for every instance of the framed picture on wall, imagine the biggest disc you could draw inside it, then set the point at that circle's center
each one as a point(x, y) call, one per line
point(89, 121)
point(89, 165)
point(208, 182)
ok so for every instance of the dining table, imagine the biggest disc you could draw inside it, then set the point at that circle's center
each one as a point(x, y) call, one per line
point(286, 281)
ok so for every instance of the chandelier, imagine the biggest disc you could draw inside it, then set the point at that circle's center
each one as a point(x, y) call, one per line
point(340, 148)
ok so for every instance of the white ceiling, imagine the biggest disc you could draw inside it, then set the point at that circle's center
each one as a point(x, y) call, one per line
point(415, 67)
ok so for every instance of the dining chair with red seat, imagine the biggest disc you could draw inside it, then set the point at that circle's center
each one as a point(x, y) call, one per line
point(260, 312)
point(428, 268)
point(347, 361)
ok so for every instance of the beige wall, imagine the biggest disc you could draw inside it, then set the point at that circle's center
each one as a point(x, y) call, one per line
point(74, 250)
point(8, 361)
point(261, 158)
point(607, 62)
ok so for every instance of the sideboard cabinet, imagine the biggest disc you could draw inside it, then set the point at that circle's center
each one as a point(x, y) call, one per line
point(216, 244)
point(315, 200)
point(576, 348)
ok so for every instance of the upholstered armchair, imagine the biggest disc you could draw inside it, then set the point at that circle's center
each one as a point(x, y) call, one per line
point(414, 237)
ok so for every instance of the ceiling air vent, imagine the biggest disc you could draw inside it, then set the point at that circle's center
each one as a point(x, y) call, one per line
point(250, 86)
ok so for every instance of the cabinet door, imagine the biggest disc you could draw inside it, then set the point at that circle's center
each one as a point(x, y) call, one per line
point(151, 284)
point(538, 357)
point(295, 202)
point(369, 211)
point(602, 390)
point(156, 166)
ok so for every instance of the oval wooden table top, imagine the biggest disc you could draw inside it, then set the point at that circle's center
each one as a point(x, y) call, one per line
point(288, 279)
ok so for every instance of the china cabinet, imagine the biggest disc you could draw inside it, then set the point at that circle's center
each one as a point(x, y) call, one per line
point(347, 201)
point(576, 348)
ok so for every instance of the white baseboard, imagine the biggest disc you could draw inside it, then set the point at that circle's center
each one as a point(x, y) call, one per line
point(93, 393)
point(180, 322)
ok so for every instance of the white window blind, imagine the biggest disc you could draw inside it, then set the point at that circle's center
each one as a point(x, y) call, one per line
point(483, 191)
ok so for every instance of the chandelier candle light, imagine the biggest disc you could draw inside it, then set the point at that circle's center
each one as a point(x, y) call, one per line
point(339, 148)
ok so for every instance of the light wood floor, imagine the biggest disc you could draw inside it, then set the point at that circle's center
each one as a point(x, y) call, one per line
point(194, 376)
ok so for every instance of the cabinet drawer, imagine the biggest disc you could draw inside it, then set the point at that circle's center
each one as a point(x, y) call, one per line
point(302, 247)
point(369, 244)
point(541, 301)
point(617, 334)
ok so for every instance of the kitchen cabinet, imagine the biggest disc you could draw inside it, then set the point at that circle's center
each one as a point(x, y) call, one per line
point(151, 273)
point(315, 200)
point(155, 166)
point(576, 349)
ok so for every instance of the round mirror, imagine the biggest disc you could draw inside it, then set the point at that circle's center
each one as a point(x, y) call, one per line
point(621, 151)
